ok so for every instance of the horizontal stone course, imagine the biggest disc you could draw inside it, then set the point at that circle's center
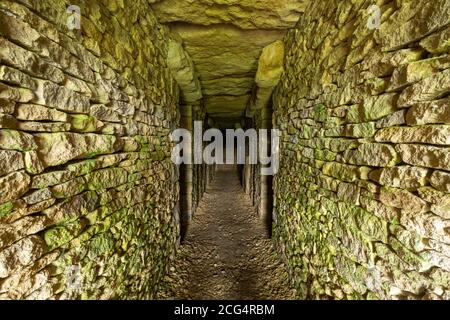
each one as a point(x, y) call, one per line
point(59, 148)
point(402, 199)
point(21, 254)
point(32, 112)
point(10, 161)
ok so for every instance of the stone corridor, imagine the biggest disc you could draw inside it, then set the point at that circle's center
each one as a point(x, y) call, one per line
point(94, 205)
point(227, 254)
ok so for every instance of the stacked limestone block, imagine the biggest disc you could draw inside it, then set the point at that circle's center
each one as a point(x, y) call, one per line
point(363, 194)
point(87, 187)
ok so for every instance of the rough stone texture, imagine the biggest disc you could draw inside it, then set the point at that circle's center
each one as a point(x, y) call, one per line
point(437, 42)
point(361, 199)
point(270, 68)
point(270, 65)
point(226, 65)
point(88, 193)
point(59, 148)
point(439, 135)
point(183, 70)
point(402, 199)
point(404, 177)
point(441, 180)
point(13, 186)
point(225, 40)
point(10, 161)
point(36, 112)
point(371, 154)
point(432, 112)
point(425, 156)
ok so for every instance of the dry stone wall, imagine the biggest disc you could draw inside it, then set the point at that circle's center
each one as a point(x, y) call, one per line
point(362, 200)
point(194, 178)
point(88, 192)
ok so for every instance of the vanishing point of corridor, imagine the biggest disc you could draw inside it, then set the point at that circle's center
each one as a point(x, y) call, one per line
point(227, 254)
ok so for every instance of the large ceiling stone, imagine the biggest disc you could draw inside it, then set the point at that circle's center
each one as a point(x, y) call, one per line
point(226, 110)
point(245, 14)
point(225, 39)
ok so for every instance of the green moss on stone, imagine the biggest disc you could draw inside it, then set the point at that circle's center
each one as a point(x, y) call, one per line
point(354, 115)
point(6, 209)
point(16, 140)
point(360, 130)
point(93, 154)
point(395, 221)
point(135, 177)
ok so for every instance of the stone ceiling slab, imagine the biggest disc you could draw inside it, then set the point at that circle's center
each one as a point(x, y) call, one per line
point(226, 60)
point(245, 14)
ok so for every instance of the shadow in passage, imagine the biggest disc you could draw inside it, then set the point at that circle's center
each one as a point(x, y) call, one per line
point(226, 254)
point(245, 286)
point(267, 207)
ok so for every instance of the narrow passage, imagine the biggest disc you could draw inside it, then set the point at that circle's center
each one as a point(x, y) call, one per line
point(226, 254)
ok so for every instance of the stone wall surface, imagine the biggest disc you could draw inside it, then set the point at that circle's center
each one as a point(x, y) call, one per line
point(87, 189)
point(362, 199)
